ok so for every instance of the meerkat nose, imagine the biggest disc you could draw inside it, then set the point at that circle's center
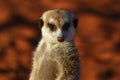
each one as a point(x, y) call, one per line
point(60, 39)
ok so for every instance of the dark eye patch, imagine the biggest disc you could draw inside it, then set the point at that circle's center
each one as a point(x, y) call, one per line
point(66, 26)
point(52, 26)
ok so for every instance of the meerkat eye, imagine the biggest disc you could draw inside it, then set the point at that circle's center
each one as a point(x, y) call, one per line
point(66, 26)
point(52, 27)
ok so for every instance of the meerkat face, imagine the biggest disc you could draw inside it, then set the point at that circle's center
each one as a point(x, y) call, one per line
point(58, 25)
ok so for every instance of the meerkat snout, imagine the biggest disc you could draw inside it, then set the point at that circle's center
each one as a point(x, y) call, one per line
point(60, 39)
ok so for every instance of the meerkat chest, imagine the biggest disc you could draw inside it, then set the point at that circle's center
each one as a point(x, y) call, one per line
point(55, 51)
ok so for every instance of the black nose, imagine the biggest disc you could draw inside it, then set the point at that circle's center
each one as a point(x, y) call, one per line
point(60, 39)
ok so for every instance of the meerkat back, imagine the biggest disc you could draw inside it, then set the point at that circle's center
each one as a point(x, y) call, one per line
point(56, 57)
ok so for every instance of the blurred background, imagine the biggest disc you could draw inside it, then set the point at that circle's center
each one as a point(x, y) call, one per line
point(97, 37)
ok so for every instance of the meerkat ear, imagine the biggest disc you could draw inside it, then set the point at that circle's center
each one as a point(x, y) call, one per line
point(75, 23)
point(40, 23)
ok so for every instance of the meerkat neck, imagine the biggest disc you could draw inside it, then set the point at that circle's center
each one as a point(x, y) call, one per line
point(43, 44)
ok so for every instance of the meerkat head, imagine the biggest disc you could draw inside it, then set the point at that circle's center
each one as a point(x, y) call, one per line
point(58, 25)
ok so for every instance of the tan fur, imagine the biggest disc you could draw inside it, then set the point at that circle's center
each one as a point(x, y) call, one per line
point(55, 60)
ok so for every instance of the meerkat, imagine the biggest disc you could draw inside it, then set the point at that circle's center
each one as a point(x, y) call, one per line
point(56, 56)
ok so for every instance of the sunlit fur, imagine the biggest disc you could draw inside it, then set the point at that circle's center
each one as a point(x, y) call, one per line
point(54, 60)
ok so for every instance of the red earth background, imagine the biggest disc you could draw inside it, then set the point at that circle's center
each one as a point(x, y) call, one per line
point(97, 36)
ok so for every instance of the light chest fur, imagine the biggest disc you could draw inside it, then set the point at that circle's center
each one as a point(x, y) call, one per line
point(56, 62)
